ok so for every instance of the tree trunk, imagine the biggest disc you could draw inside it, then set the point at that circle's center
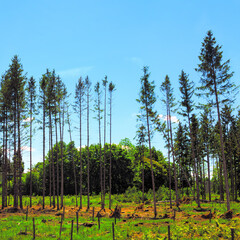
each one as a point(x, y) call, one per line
point(110, 160)
point(31, 152)
point(150, 152)
point(173, 155)
point(222, 148)
point(44, 174)
point(57, 157)
point(194, 163)
point(61, 126)
point(80, 134)
point(88, 177)
point(209, 176)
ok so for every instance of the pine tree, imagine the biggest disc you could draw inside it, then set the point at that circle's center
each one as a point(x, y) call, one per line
point(98, 111)
point(43, 89)
point(104, 82)
point(186, 89)
point(167, 90)
point(215, 81)
point(31, 89)
point(17, 82)
point(111, 88)
point(88, 90)
point(206, 132)
point(147, 99)
point(79, 107)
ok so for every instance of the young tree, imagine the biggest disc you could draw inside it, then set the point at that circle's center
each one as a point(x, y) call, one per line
point(43, 89)
point(5, 117)
point(71, 154)
point(17, 82)
point(98, 111)
point(147, 99)
point(206, 132)
point(104, 82)
point(79, 107)
point(186, 89)
point(31, 89)
point(88, 91)
point(215, 81)
point(111, 88)
point(141, 140)
point(169, 101)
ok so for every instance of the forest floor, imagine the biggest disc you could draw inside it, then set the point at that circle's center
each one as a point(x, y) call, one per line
point(130, 221)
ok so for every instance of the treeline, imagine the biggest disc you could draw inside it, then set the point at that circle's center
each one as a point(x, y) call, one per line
point(126, 171)
point(207, 137)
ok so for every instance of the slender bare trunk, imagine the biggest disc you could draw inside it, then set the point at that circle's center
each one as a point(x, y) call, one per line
point(88, 177)
point(222, 147)
point(50, 169)
point(73, 163)
point(169, 165)
point(44, 173)
point(61, 128)
point(31, 154)
point(209, 176)
point(152, 174)
point(173, 155)
point(142, 157)
point(110, 160)
point(80, 135)
point(57, 157)
point(104, 152)
point(19, 159)
point(194, 162)
point(15, 187)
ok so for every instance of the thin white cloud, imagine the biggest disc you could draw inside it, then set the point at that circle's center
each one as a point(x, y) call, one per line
point(27, 148)
point(75, 72)
point(174, 119)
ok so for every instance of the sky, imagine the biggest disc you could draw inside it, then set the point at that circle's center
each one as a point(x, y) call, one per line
point(115, 38)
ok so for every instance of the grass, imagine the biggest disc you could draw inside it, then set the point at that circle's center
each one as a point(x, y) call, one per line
point(134, 223)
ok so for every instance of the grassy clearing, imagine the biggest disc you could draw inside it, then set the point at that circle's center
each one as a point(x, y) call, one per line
point(135, 223)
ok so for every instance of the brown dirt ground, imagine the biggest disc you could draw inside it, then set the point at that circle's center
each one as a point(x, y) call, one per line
point(139, 212)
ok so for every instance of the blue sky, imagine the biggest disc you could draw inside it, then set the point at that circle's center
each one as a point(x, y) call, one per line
point(116, 38)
